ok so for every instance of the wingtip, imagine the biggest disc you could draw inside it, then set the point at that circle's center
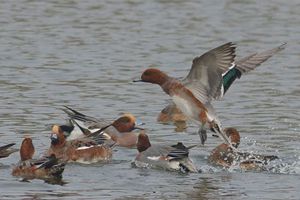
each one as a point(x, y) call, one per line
point(7, 146)
point(233, 44)
point(282, 46)
point(65, 107)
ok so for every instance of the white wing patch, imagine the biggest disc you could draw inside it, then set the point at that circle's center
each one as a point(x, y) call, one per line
point(85, 147)
point(154, 158)
point(232, 66)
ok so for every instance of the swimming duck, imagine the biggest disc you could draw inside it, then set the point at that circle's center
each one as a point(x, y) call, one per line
point(83, 150)
point(174, 157)
point(223, 155)
point(121, 130)
point(43, 168)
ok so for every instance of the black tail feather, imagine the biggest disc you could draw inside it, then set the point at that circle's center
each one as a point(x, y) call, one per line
point(7, 146)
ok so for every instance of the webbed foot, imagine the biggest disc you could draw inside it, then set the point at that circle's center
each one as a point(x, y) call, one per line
point(203, 135)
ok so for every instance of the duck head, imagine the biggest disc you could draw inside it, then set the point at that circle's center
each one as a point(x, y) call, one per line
point(126, 123)
point(234, 136)
point(154, 76)
point(143, 142)
point(57, 136)
point(27, 149)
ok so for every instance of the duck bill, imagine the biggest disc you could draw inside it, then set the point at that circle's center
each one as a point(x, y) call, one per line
point(138, 125)
point(54, 139)
point(139, 128)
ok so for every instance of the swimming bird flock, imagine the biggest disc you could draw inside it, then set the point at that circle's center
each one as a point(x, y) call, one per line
point(86, 139)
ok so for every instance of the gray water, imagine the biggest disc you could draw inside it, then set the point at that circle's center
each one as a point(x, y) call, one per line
point(85, 53)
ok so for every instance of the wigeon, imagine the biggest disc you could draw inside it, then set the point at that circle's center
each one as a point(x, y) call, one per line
point(83, 150)
point(6, 150)
point(223, 155)
point(175, 157)
point(203, 83)
point(193, 95)
point(44, 168)
point(119, 130)
point(172, 114)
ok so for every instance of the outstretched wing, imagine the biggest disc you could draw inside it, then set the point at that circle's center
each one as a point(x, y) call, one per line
point(208, 69)
point(249, 63)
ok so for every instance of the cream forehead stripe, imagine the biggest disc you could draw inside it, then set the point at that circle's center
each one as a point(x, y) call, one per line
point(55, 129)
point(130, 116)
point(27, 135)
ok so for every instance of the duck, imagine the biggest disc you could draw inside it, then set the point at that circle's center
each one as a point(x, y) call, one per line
point(171, 113)
point(120, 131)
point(82, 150)
point(223, 155)
point(6, 150)
point(43, 168)
point(167, 157)
point(193, 95)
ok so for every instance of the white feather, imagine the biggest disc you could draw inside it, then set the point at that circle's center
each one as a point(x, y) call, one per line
point(183, 105)
point(232, 66)
point(85, 147)
point(154, 158)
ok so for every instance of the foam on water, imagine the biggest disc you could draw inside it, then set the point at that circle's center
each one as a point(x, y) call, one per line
point(85, 53)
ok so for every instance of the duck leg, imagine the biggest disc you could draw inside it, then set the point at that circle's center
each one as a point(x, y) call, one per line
point(203, 135)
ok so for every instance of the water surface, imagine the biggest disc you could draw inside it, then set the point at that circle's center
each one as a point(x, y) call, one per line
point(85, 53)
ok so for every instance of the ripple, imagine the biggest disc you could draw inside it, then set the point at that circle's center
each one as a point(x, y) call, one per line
point(85, 53)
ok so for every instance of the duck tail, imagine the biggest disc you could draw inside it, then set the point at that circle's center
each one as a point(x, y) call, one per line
point(51, 163)
point(74, 114)
point(57, 170)
point(85, 131)
point(187, 165)
point(4, 147)
point(6, 150)
point(99, 132)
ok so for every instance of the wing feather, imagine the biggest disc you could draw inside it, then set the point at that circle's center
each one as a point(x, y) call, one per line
point(249, 63)
point(208, 69)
